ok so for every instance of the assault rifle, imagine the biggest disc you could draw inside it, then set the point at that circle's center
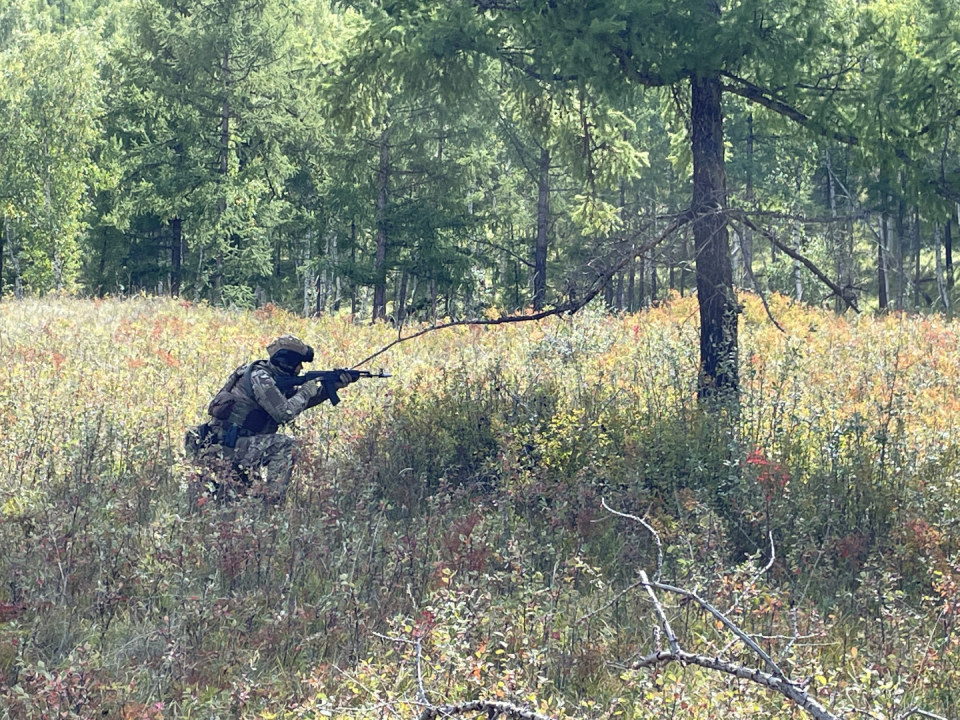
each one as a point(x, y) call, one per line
point(327, 379)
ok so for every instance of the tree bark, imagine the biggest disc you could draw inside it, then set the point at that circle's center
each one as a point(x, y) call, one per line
point(176, 256)
point(540, 245)
point(400, 311)
point(746, 240)
point(948, 250)
point(883, 299)
point(311, 293)
point(380, 258)
point(719, 374)
point(835, 246)
point(916, 258)
point(224, 165)
point(941, 284)
point(901, 246)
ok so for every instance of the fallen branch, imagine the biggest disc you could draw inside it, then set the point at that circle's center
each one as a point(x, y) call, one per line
point(490, 707)
point(775, 679)
point(923, 713)
point(787, 688)
point(570, 307)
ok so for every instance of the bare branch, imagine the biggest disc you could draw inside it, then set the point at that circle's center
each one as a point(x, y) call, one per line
point(649, 528)
point(801, 218)
point(844, 293)
point(492, 708)
point(788, 689)
point(729, 624)
point(626, 591)
point(763, 298)
point(762, 96)
point(923, 713)
point(671, 638)
point(570, 307)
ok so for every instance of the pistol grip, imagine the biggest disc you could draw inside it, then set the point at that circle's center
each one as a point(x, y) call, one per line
point(331, 389)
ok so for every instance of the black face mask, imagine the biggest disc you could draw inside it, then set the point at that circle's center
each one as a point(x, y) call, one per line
point(287, 360)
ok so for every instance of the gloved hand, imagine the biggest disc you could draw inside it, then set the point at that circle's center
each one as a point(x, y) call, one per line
point(345, 379)
point(310, 389)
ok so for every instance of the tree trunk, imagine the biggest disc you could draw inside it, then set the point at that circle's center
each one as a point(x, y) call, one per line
point(883, 300)
point(176, 256)
point(746, 240)
point(540, 246)
point(380, 258)
point(835, 247)
point(719, 374)
point(354, 294)
point(608, 296)
point(684, 269)
point(797, 269)
point(654, 281)
point(797, 235)
point(311, 295)
point(224, 166)
point(400, 311)
point(621, 278)
point(938, 256)
point(948, 249)
point(641, 281)
point(898, 257)
point(916, 258)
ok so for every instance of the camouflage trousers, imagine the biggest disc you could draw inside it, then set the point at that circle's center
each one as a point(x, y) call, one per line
point(263, 463)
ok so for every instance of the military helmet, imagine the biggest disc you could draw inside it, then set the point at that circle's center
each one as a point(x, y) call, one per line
point(289, 351)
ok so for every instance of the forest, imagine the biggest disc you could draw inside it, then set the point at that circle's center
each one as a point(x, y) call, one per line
point(415, 159)
point(666, 291)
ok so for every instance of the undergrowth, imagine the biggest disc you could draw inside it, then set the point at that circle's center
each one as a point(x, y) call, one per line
point(445, 534)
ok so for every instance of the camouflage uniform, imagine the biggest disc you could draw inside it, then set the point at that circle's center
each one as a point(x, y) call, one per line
point(245, 417)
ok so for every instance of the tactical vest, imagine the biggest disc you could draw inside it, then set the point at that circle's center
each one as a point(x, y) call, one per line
point(236, 404)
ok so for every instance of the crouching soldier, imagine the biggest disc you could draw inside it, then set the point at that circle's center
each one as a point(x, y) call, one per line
point(246, 414)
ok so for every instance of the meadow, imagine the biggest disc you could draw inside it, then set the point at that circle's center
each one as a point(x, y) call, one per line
point(462, 530)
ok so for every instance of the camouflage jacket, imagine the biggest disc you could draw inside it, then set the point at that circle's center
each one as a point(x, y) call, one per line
point(264, 411)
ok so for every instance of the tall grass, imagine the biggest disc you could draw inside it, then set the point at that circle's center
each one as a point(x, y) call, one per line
point(458, 506)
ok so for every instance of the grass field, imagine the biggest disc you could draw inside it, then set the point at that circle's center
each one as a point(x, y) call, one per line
point(445, 534)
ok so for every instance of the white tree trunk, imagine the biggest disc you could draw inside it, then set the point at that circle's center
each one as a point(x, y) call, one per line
point(308, 282)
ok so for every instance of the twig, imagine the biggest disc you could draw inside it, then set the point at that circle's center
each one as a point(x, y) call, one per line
point(756, 575)
point(353, 678)
point(917, 711)
point(788, 689)
point(612, 601)
point(421, 692)
point(671, 638)
point(730, 625)
point(763, 298)
point(649, 528)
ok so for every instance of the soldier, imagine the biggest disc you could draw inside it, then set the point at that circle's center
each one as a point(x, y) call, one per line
point(247, 412)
